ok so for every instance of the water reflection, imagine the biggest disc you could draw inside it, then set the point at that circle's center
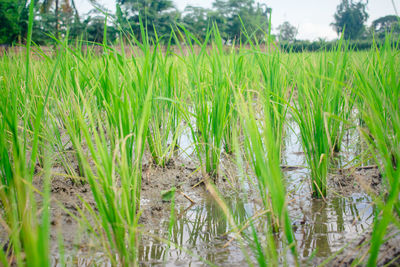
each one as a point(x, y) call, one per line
point(329, 225)
point(315, 233)
point(203, 230)
point(323, 228)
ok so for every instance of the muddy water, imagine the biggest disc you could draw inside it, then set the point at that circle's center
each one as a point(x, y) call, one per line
point(321, 227)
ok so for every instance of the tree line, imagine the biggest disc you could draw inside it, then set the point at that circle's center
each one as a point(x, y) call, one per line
point(236, 21)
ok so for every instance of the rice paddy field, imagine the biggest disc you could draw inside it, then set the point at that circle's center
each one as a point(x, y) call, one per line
point(199, 154)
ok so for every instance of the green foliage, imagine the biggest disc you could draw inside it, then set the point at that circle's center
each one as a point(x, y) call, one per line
point(287, 32)
point(378, 87)
point(168, 195)
point(157, 16)
point(319, 46)
point(350, 18)
point(263, 144)
point(233, 16)
point(196, 20)
point(385, 25)
point(25, 219)
point(14, 20)
point(113, 108)
point(94, 30)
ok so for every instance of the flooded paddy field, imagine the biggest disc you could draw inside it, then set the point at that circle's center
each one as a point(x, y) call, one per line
point(212, 157)
point(199, 234)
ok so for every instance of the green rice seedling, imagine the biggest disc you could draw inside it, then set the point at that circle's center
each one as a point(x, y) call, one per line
point(210, 99)
point(237, 76)
point(72, 80)
point(309, 114)
point(378, 86)
point(165, 123)
point(321, 108)
point(114, 180)
point(120, 93)
point(114, 131)
point(28, 224)
point(28, 234)
point(331, 77)
point(274, 91)
point(263, 146)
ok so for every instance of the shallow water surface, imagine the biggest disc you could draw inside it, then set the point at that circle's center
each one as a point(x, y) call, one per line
point(321, 227)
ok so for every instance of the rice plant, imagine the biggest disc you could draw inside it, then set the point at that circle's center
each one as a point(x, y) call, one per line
point(310, 117)
point(210, 94)
point(165, 123)
point(27, 223)
point(115, 181)
point(263, 147)
point(378, 86)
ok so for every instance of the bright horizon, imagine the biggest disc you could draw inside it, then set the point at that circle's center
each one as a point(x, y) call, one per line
point(311, 17)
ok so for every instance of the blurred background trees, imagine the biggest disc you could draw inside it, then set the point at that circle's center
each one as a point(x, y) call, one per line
point(14, 20)
point(158, 16)
point(60, 19)
point(350, 18)
point(287, 32)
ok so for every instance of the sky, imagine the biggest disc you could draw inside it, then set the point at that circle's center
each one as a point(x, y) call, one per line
point(311, 17)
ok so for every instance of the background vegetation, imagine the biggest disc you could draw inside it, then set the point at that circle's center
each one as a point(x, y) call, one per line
point(61, 18)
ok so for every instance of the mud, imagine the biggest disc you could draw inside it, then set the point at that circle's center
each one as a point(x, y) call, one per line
point(357, 250)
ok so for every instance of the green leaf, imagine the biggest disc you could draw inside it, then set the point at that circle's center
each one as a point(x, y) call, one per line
point(168, 195)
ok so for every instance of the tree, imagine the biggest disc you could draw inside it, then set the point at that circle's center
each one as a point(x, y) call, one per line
point(196, 20)
point(236, 15)
point(350, 18)
point(94, 29)
point(386, 24)
point(287, 32)
point(157, 16)
point(14, 20)
point(54, 18)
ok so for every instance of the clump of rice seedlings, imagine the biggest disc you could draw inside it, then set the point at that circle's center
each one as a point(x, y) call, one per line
point(263, 146)
point(309, 113)
point(74, 77)
point(321, 108)
point(27, 225)
point(274, 92)
point(115, 181)
point(378, 87)
point(237, 76)
point(208, 112)
point(165, 122)
point(112, 118)
point(331, 77)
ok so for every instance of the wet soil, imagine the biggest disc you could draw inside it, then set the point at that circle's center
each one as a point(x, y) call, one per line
point(356, 252)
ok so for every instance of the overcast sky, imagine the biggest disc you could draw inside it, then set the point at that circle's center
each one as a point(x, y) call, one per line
point(311, 17)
